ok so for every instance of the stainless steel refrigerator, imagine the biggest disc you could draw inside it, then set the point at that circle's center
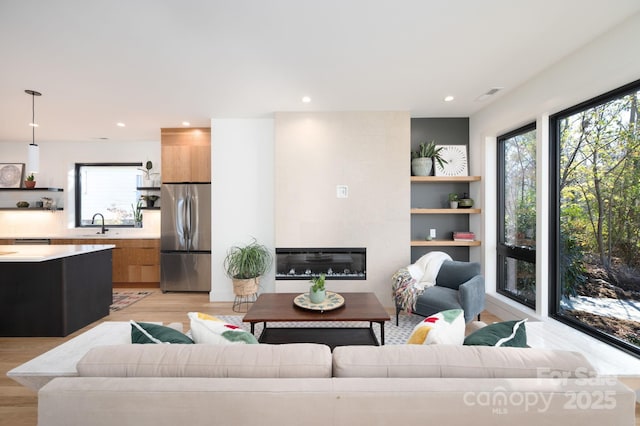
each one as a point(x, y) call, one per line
point(185, 245)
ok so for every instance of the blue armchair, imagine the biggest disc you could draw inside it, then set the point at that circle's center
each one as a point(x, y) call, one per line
point(459, 285)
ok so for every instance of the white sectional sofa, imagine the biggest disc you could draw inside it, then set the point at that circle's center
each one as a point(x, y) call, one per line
point(306, 384)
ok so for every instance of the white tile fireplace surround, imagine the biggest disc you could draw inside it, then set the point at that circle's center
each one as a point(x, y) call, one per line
point(336, 263)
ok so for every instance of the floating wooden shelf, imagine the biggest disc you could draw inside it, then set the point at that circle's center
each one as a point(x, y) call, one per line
point(443, 243)
point(445, 211)
point(31, 209)
point(445, 178)
point(33, 189)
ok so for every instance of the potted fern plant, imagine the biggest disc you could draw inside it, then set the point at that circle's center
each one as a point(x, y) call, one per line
point(317, 292)
point(422, 159)
point(245, 265)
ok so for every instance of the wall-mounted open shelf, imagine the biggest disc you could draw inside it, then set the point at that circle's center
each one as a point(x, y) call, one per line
point(31, 209)
point(445, 178)
point(33, 189)
point(443, 243)
point(445, 211)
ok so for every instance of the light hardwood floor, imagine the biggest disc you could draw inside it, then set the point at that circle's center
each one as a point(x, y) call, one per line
point(18, 405)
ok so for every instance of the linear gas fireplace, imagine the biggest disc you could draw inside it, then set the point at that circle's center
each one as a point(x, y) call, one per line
point(335, 263)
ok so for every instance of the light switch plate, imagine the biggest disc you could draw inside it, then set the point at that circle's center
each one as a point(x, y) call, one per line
point(432, 233)
point(342, 191)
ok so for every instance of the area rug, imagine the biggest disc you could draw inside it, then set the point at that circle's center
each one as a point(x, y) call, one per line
point(122, 299)
point(393, 335)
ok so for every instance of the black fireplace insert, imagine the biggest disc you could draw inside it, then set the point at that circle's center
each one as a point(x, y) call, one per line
point(336, 263)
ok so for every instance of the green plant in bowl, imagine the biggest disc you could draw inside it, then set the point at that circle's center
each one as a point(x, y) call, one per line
point(317, 291)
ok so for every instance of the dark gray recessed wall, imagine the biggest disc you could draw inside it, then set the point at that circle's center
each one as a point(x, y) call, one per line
point(444, 131)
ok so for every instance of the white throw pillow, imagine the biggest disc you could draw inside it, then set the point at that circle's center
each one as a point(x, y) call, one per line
point(443, 328)
point(209, 329)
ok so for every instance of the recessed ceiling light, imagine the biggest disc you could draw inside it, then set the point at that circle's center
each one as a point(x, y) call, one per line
point(120, 124)
point(306, 99)
point(186, 123)
point(448, 98)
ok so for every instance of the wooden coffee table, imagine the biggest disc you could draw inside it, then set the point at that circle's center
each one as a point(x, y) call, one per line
point(279, 307)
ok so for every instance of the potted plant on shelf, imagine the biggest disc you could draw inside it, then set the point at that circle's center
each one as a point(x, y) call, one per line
point(245, 265)
point(317, 291)
point(148, 177)
point(30, 182)
point(453, 200)
point(422, 159)
point(150, 199)
point(137, 214)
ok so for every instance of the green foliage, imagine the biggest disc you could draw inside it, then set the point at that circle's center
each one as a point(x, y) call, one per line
point(249, 261)
point(31, 177)
point(318, 283)
point(600, 180)
point(429, 150)
point(572, 268)
point(453, 196)
point(137, 212)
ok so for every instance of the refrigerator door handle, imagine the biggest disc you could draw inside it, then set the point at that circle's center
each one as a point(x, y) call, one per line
point(184, 224)
point(188, 222)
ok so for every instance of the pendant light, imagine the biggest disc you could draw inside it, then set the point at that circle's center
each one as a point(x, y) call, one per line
point(33, 150)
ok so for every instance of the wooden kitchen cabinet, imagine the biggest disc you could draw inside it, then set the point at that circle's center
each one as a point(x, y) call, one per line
point(186, 154)
point(136, 262)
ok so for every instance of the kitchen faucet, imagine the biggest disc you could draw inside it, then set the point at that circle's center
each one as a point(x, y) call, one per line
point(93, 219)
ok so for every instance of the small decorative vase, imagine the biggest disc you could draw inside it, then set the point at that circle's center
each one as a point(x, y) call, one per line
point(29, 183)
point(421, 166)
point(453, 204)
point(317, 296)
point(137, 225)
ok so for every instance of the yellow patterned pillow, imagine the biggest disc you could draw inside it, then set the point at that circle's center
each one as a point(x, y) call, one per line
point(443, 328)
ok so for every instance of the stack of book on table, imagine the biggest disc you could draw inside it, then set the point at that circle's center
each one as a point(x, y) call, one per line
point(464, 236)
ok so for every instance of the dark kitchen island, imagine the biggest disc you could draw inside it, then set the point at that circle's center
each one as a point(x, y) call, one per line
point(53, 290)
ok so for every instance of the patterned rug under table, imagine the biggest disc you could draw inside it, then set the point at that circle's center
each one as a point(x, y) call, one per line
point(393, 335)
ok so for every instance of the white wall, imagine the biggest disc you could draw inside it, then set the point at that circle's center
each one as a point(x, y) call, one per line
point(368, 152)
point(57, 162)
point(242, 173)
point(605, 64)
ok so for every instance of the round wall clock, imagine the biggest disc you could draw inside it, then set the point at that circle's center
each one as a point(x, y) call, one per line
point(456, 161)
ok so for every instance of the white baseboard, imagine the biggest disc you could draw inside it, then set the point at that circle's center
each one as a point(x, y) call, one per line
point(507, 309)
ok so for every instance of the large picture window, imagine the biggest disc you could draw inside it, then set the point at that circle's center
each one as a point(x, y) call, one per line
point(109, 189)
point(517, 215)
point(596, 212)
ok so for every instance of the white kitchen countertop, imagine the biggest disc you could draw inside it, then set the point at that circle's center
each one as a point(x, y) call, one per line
point(42, 253)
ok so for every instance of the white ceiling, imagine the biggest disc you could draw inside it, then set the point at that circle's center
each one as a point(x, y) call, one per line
point(156, 63)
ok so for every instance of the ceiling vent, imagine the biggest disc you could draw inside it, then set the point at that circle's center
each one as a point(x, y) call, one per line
point(488, 94)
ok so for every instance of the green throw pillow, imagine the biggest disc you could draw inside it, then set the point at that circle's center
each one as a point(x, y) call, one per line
point(142, 332)
point(508, 333)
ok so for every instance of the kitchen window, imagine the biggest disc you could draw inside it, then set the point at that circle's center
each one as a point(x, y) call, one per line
point(109, 189)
